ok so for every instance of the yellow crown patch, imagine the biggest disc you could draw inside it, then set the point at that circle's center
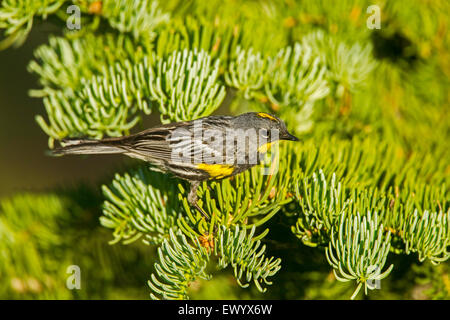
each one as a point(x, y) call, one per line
point(266, 115)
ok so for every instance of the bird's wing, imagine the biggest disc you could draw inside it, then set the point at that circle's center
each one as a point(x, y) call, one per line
point(182, 142)
point(151, 144)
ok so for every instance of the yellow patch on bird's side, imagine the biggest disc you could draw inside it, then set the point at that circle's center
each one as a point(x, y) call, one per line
point(265, 147)
point(266, 115)
point(216, 171)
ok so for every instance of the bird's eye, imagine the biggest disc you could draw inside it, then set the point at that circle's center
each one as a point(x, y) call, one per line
point(264, 133)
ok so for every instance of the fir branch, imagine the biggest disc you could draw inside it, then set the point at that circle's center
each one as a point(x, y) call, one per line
point(63, 63)
point(321, 203)
point(297, 77)
point(400, 205)
point(17, 16)
point(428, 234)
point(246, 256)
point(191, 33)
point(99, 108)
point(247, 72)
point(186, 86)
point(348, 65)
point(180, 263)
point(140, 204)
point(358, 250)
point(140, 18)
point(367, 162)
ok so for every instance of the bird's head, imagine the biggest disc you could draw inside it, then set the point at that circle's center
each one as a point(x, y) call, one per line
point(268, 126)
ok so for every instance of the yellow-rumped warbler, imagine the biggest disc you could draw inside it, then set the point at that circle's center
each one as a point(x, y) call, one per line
point(209, 148)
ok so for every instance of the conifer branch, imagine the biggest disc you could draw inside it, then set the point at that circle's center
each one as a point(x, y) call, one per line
point(246, 256)
point(17, 17)
point(358, 250)
point(186, 86)
point(428, 234)
point(179, 264)
point(348, 65)
point(140, 204)
point(247, 72)
point(297, 77)
point(140, 18)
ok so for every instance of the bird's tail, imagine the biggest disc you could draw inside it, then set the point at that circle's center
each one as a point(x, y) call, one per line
point(86, 146)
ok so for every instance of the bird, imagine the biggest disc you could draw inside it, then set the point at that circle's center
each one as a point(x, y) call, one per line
point(209, 148)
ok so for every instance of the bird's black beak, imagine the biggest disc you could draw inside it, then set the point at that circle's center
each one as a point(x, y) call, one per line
point(290, 137)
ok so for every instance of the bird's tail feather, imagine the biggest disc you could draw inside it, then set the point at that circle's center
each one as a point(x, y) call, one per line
point(85, 146)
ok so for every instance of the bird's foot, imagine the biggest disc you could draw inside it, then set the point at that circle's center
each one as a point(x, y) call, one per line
point(192, 199)
point(201, 211)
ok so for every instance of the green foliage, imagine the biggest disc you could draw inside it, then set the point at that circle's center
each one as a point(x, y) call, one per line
point(428, 234)
point(186, 86)
point(358, 250)
point(297, 77)
point(247, 72)
point(326, 203)
point(366, 185)
point(140, 18)
point(43, 234)
point(320, 205)
point(156, 215)
point(63, 63)
point(152, 214)
point(348, 66)
point(83, 96)
point(246, 256)
point(17, 16)
point(189, 33)
point(179, 264)
point(99, 108)
point(17, 229)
